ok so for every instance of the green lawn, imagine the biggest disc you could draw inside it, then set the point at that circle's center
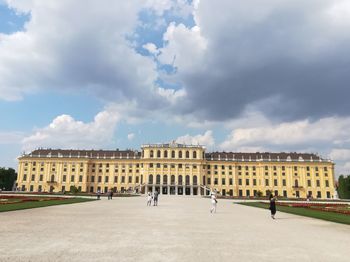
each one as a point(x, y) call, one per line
point(329, 216)
point(35, 204)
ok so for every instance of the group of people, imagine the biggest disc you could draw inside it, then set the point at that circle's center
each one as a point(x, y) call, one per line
point(109, 194)
point(153, 197)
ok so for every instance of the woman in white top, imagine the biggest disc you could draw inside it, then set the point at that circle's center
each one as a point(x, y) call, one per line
point(149, 199)
point(213, 202)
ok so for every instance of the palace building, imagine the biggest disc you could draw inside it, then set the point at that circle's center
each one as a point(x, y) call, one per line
point(177, 169)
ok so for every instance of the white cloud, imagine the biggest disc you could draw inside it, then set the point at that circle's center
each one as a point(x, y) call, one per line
point(131, 136)
point(206, 139)
point(151, 48)
point(66, 132)
point(185, 47)
point(328, 130)
point(90, 52)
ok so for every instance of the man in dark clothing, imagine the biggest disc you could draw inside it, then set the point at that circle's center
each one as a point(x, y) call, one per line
point(155, 198)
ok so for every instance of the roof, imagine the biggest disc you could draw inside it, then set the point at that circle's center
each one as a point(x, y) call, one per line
point(263, 156)
point(84, 153)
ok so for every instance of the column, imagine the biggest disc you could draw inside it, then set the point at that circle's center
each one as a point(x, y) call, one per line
point(153, 189)
point(191, 190)
point(175, 190)
point(168, 190)
point(146, 189)
point(161, 190)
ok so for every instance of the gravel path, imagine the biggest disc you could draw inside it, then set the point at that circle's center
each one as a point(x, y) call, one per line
point(179, 229)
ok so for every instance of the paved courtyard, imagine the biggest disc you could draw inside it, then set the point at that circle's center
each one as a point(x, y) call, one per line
point(179, 229)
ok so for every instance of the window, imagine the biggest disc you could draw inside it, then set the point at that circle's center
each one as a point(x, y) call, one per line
point(318, 194)
point(239, 167)
point(240, 181)
point(123, 179)
point(307, 168)
point(158, 165)
point(274, 168)
point(246, 167)
point(165, 179)
point(327, 183)
point(283, 182)
point(158, 179)
point(41, 177)
point(195, 180)
point(309, 183)
point(295, 168)
point(166, 154)
point(254, 182)
point(33, 177)
point(64, 178)
point(93, 179)
point(266, 168)
point(151, 165)
point(317, 183)
point(194, 154)
point(187, 180)
point(187, 154)
point(231, 181)
point(266, 182)
point(275, 182)
point(215, 181)
point(158, 153)
point(180, 180)
point(99, 179)
point(180, 165)
point(151, 154)
point(223, 181)
point(325, 169)
point(80, 178)
point(283, 168)
point(106, 179)
point(71, 178)
point(247, 182)
point(130, 179)
point(115, 179)
point(172, 154)
point(222, 167)
point(208, 180)
point(180, 154)
point(150, 179)
point(137, 180)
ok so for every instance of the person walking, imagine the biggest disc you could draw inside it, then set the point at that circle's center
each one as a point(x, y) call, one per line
point(272, 205)
point(111, 194)
point(98, 194)
point(149, 199)
point(213, 202)
point(155, 198)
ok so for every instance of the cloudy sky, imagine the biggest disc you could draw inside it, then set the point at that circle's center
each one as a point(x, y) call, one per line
point(234, 75)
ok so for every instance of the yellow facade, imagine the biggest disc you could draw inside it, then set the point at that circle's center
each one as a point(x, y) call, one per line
point(177, 169)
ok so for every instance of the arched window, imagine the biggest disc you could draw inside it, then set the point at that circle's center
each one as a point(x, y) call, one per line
point(158, 153)
point(194, 154)
point(180, 154)
point(172, 179)
point(187, 180)
point(173, 154)
point(180, 180)
point(150, 179)
point(187, 154)
point(166, 154)
point(165, 179)
point(296, 183)
point(151, 154)
point(194, 180)
point(158, 180)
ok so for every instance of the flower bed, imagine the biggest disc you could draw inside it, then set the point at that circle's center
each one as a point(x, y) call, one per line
point(7, 200)
point(326, 207)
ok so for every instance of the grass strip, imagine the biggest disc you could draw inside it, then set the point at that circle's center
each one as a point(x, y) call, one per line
point(36, 204)
point(328, 216)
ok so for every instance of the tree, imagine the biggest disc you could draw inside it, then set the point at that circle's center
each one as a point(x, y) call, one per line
point(344, 187)
point(8, 177)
